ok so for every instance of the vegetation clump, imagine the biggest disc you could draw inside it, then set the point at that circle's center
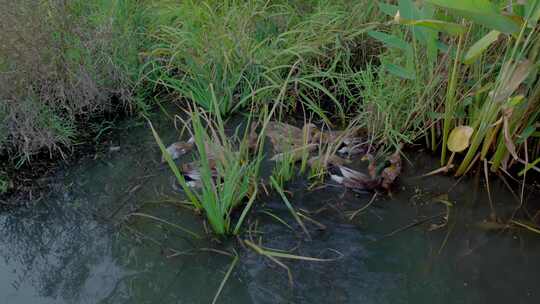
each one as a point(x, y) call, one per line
point(62, 63)
point(399, 72)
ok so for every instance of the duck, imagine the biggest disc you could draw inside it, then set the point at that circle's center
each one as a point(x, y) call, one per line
point(354, 180)
point(391, 172)
point(286, 137)
point(323, 161)
point(352, 146)
point(177, 149)
point(192, 172)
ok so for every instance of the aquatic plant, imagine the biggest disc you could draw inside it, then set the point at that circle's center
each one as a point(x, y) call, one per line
point(496, 93)
point(225, 171)
point(497, 100)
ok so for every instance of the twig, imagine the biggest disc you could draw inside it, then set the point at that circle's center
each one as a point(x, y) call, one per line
point(412, 225)
point(354, 214)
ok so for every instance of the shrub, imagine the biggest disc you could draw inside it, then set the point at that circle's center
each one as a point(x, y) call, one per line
point(60, 63)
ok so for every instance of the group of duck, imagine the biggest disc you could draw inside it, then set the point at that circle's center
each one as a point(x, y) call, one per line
point(331, 150)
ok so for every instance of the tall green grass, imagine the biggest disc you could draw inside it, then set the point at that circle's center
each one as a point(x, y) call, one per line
point(489, 52)
point(401, 77)
point(246, 50)
point(228, 171)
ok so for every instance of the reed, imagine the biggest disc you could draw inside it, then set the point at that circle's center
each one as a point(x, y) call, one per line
point(491, 87)
point(227, 169)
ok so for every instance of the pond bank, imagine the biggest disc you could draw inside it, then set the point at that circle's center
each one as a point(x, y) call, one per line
point(78, 243)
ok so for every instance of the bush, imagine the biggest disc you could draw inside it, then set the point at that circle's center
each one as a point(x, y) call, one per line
point(60, 63)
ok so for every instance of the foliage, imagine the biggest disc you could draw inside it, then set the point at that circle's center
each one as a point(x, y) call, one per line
point(62, 62)
point(228, 176)
point(496, 93)
point(399, 70)
point(247, 50)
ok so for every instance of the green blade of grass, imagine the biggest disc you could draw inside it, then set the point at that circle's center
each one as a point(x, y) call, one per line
point(245, 212)
point(195, 235)
point(227, 275)
point(289, 206)
point(181, 180)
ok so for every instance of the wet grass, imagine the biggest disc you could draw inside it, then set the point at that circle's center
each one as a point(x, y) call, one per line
point(425, 77)
point(342, 64)
point(225, 174)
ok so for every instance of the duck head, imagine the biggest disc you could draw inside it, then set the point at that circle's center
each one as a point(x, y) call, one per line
point(178, 149)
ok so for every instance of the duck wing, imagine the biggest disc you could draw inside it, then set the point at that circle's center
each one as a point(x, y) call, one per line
point(354, 180)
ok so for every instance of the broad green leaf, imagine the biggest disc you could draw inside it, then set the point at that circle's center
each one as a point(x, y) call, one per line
point(480, 11)
point(408, 10)
point(442, 26)
point(388, 9)
point(391, 40)
point(428, 11)
point(399, 71)
point(481, 46)
point(472, 6)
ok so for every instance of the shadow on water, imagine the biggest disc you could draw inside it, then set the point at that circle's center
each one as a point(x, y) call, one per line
point(76, 245)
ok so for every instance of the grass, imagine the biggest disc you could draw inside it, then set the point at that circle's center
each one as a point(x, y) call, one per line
point(246, 50)
point(227, 168)
point(494, 92)
point(329, 59)
point(62, 63)
point(342, 63)
point(345, 64)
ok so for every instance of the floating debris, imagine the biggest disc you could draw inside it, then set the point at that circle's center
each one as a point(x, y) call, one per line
point(459, 139)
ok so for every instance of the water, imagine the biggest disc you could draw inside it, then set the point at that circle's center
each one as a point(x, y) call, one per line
point(78, 244)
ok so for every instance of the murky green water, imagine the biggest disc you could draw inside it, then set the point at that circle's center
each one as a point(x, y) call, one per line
point(77, 244)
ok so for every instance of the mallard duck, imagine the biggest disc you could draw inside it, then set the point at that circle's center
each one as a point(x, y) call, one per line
point(180, 148)
point(327, 137)
point(391, 173)
point(354, 180)
point(285, 137)
point(352, 146)
point(192, 172)
point(327, 162)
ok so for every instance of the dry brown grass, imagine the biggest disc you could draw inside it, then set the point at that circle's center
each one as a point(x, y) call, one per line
point(57, 68)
